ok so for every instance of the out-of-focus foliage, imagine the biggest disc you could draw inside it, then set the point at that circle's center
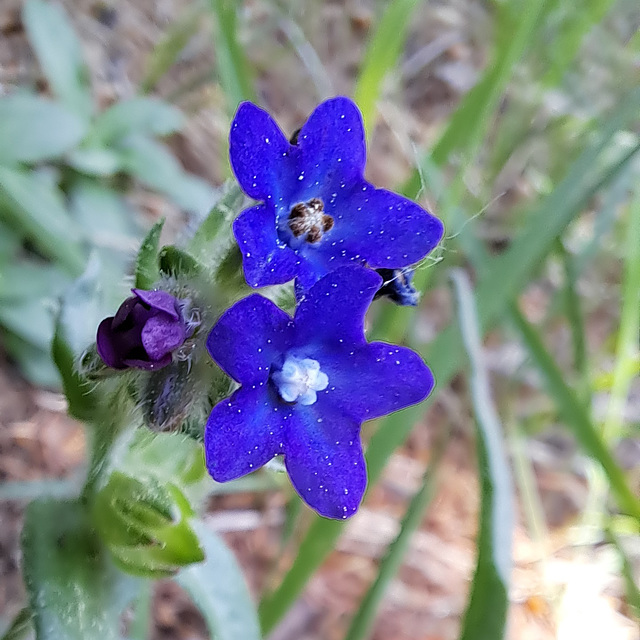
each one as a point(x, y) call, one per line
point(65, 172)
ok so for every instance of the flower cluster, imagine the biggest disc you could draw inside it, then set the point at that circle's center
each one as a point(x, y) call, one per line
point(307, 382)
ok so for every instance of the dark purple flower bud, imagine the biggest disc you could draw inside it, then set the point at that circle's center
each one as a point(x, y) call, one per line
point(145, 331)
point(397, 286)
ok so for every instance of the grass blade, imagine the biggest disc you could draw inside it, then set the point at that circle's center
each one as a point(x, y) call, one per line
point(504, 278)
point(486, 614)
point(468, 125)
point(365, 617)
point(232, 64)
point(575, 414)
point(382, 54)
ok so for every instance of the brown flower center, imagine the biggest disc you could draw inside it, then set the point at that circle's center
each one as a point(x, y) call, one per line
point(309, 218)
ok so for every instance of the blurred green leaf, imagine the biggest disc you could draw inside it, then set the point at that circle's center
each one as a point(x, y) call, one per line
point(60, 54)
point(34, 129)
point(575, 415)
point(75, 327)
point(233, 67)
point(383, 51)
point(503, 278)
point(486, 615)
point(155, 167)
point(36, 206)
point(21, 627)
point(147, 270)
point(34, 362)
point(104, 215)
point(30, 279)
point(224, 602)
point(74, 590)
point(30, 319)
point(95, 161)
point(147, 116)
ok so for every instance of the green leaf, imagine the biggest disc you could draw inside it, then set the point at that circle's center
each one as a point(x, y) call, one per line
point(74, 590)
point(155, 167)
point(24, 279)
point(147, 271)
point(486, 615)
point(30, 320)
point(36, 206)
point(503, 278)
point(218, 589)
point(574, 414)
point(214, 236)
point(78, 317)
point(175, 262)
point(148, 116)
point(385, 46)
point(60, 54)
point(21, 627)
point(95, 161)
point(34, 363)
point(233, 67)
point(34, 129)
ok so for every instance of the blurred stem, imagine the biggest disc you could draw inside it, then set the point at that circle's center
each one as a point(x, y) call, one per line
point(573, 309)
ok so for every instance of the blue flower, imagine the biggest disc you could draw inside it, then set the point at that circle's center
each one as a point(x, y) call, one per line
point(317, 211)
point(397, 286)
point(307, 384)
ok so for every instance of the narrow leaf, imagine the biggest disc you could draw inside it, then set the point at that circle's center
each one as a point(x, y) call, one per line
point(60, 54)
point(382, 55)
point(147, 270)
point(233, 67)
point(218, 589)
point(575, 415)
point(486, 615)
point(21, 627)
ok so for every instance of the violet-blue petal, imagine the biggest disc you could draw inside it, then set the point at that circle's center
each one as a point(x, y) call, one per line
point(375, 379)
point(158, 300)
point(161, 335)
point(333, 310)
point(332, 144)
point(258, 152)
point(248, 337)
point(244, 432)
point(385, 228)
point(123, 314)
point(265, 259)
point(105, 344)
point(324, 459)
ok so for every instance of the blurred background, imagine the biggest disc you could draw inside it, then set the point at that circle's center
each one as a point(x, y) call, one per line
point(516, 122)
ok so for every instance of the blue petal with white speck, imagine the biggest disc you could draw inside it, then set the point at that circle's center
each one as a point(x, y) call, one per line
point(307, 384)
point(318, 212)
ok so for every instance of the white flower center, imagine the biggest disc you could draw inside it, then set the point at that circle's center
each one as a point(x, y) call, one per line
point(299, 380)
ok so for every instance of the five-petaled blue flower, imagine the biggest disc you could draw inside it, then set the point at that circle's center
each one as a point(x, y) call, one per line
point(307, 384)
point(317, 211)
